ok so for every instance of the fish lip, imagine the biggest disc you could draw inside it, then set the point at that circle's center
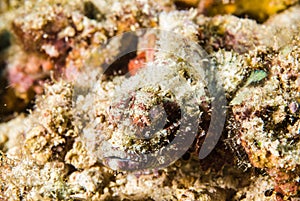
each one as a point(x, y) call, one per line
point(119, 163)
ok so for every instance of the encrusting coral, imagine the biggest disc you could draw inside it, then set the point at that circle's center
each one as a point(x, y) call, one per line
point(88, 124)
point(268, 119)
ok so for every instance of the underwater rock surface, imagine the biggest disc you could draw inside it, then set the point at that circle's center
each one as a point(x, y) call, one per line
point(65, 135)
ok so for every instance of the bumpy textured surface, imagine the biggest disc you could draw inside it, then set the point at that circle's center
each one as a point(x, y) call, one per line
point(57, 115)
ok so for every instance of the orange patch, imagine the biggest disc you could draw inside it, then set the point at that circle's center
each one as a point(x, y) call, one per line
point(137, 63)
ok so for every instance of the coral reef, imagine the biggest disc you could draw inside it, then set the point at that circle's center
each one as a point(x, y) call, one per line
point(267, 115)
point(59, 36)
point(74, 129)
point(259, 10)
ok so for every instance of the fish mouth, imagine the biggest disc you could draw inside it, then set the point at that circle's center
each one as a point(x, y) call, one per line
point(124, 164)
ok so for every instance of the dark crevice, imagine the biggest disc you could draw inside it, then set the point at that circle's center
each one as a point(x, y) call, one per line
point(127, 52)
point(91, 11)
point(5, 40)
